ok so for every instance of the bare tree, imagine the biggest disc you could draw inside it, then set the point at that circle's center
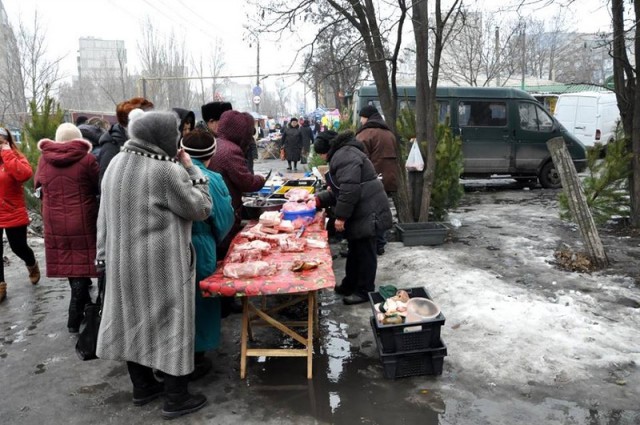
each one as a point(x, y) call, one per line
point(210, 67)
point(164, 63)
point(336, 64)
point(626, 44)
point(38, 72)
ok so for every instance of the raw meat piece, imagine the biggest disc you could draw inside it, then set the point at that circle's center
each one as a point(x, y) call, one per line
point(295, 195)
point(292, 245)
point(248, 269)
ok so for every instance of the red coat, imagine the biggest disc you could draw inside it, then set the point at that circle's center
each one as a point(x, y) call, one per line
point(68, 174)
point(14, 171)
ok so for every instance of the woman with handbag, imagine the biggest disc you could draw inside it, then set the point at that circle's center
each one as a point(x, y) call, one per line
point(14, 171)
point(68, 177)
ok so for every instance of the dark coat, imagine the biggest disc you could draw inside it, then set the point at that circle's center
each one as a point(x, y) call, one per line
point(292, 142)
point(356, 192)
point(110, 144)
point(230, 162)
point(68, 175)
point(380, 145)
point(92, 133)
point(307, 137)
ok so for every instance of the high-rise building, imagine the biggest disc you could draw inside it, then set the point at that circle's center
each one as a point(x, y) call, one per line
point(96, 56)
point(12, 101)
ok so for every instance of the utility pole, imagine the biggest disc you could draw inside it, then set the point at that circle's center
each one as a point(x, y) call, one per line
point(524, 57)
point(257, 68)
point(497, 50)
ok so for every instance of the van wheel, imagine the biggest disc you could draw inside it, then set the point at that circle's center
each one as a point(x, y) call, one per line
point(549, 177)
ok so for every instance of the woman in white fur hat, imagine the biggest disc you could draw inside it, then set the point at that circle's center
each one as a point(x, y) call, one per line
point(68, 176)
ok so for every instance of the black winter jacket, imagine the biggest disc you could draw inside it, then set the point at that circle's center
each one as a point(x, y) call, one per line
point(356, 192)
point(110, 144)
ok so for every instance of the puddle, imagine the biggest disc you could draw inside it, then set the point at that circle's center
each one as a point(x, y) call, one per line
point(348, 386)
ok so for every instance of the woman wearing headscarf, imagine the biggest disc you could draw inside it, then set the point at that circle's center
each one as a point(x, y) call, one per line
point(360, 206)
point(151, 194)
point(68, 177)
point(235, 131)
point(14, 171)
point(201, 145)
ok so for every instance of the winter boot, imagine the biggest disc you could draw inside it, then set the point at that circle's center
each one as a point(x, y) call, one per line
point(202, 366)
point(79, 299)
point(179, 401)
point(34, 273)
point(3, 291)
point(145, 387)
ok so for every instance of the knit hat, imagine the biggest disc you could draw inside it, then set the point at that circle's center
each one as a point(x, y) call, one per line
point(199, 143)
point(66, 132)
point(323, 141)
point(157, 128)
point(123, 108)
point(214, 110)
point(368, 111)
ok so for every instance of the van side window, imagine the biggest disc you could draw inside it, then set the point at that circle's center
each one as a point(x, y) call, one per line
point(534, 118)
point(476, 113)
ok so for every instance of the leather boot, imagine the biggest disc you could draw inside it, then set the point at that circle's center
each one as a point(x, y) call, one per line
point(34, 273)
point(178, 399)
point(3, 291)
point(80, 297)
point(145, 387)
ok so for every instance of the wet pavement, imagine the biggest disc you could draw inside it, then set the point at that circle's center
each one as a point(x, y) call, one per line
point(43, 382)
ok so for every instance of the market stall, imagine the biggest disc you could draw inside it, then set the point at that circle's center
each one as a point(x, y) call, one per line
point(295, 260)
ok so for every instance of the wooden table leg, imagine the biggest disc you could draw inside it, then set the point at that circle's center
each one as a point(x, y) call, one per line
point(243, 337)
point(310, 316)
point(316, 314)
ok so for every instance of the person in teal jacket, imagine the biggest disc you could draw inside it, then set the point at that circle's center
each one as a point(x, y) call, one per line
point(201, 145)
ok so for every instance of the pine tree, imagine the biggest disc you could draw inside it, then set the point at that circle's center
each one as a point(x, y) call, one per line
point(606, 187)
point(43, 124)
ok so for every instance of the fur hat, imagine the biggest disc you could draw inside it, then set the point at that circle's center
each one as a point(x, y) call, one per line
point(293, 119)
point(323, 141)
point(66, 132)
point(368, 111)
point(157, 128)
point(214, 110)
point(123, 108)
point(199, 143)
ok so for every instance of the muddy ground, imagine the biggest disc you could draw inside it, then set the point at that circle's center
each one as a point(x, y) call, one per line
point(527, 343)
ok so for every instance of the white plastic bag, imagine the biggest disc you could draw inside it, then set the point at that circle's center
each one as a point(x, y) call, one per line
point(415, 161)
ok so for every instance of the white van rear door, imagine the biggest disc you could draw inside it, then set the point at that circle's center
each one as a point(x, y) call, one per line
point(585, 126)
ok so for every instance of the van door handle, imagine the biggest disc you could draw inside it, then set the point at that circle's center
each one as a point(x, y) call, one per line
point(579, 128)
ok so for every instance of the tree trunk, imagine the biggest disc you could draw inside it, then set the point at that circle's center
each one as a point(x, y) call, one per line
point(577, 201)
point(634, 183)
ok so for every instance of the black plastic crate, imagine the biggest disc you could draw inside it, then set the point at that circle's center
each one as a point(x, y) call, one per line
point(395, 338)
point(426, 233)
point(411, 363)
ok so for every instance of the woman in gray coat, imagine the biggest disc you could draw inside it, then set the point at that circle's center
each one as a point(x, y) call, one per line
point(149, 200)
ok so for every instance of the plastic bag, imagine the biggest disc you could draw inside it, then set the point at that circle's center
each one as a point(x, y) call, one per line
point(415, 161)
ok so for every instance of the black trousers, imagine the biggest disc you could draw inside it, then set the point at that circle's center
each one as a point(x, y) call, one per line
point(17, 237)
point(362, 264)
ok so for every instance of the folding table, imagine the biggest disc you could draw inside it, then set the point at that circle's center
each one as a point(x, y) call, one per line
point(303, 286)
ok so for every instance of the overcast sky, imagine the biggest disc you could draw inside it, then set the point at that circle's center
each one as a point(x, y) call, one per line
point(202, 21)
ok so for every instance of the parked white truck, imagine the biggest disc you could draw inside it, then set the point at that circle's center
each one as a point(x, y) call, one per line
point(592, 117)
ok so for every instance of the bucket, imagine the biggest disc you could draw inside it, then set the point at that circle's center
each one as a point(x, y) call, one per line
point(420, 310)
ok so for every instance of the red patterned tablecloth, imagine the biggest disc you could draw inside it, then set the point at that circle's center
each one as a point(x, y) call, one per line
point(284, 281)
